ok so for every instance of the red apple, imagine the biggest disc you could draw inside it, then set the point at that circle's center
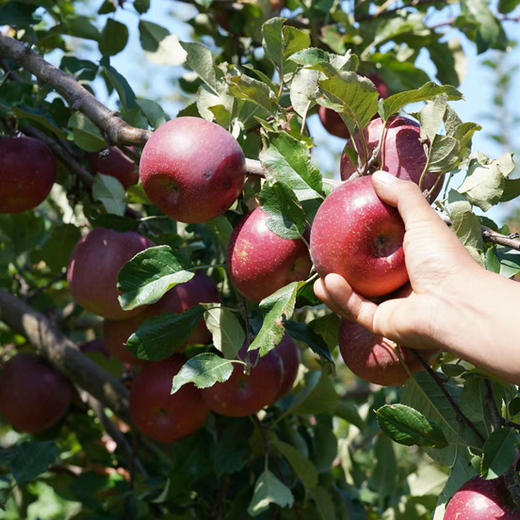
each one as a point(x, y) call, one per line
point(374, 358)
point(192, 170)
point(27, 173)
point(332, 121)
point(200, 289)
point(359, 237)
point(480, 499)
point(159, 415)
point(245, 394)
point(402, 153)
point(291, 357)
point(94, 267)
point(33, 395)
point(95, 346)
point(260, 262)
point(112, 161)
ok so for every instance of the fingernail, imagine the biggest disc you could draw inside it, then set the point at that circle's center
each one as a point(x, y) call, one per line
point(383, 177)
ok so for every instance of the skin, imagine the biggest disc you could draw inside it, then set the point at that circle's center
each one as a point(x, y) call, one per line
point(439, 309)
point(402, 153)
point(260, 262)
point(192, 170)
point(358, 236)
point(112, 161)
point(27, 173)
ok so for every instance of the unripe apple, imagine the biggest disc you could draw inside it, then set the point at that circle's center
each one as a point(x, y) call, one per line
point(94, 268)
point(200, 289)
point(260, 262)
point(291, 357)
point(27, 173)
point(375, 358)
point(112, 161)
point(359, 237)
point(192, 170)
point(402, 152)
point(480, 499)
point(245, 394)
point(33, 395)
point(159, 415)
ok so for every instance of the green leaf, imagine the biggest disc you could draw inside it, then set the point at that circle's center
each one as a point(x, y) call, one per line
point(324, 503)
point(432, 116)
point(277, 308)
point(323, 398)
point(108, 6)
point(444, 154)
point(200, 60)
point(153, 112)
point(506, 6)
point(226, 330)
point(114, 38)
point(203, 370)
point(269, 490)
point(464, 222)
point(304, 90)
point(509, 261)
point(273, 39)
point(385, 473)
point(430, 90)
point(86, 134)
point(118, 82)
point(160, 336)
point(141, 6)
point(32, 459)
point(303, 332)
point(17, 14)
point(408, 426)
point(57, 250)
point(301, 465)
point(500, 451)
point(294, 40)
point(231, 456)
point(149, 275)
point(110, 192)
point(325, 61)
point(250, 89)
point(325, 447)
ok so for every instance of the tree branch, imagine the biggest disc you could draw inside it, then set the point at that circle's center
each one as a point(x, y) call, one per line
point(64, 354)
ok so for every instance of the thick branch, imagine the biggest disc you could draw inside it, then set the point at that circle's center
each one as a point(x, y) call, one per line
point(63, 354)
point(116, 130)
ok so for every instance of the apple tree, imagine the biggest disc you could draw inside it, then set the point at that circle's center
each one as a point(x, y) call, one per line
point(163, 353)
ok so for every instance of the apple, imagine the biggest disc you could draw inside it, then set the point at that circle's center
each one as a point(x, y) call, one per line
point(112, 161)
point(291, 357)
point(374, 358)
point(94, 268)
point(200, 289)
point(359, 237)
point(480, 499)
point(402, 153)
point(260, 262)
point(33, 395)
point(27, 173)
point(332, 121)
point(192, 170)
point(245, 394)
point(95, 346)
point(160, 415)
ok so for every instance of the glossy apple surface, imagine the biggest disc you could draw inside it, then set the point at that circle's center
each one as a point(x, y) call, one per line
point(159, 415)
point(245, 394)
point(481, 499)
point(94, 268)
point(33, 395)
point(112, 161)
point(27, 173)
point(291, 357)
point(200, 289)
point(260, 262)
point(192, 170)
point(359, 237)
point(402, 153)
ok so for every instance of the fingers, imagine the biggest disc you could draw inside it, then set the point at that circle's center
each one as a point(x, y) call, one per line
point(339, 296)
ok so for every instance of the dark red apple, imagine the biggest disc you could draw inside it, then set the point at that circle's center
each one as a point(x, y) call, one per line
point(245, 394)
point(374, 358)
point(332, 121)
point(33, 395)
point(480, 499)
point(192, 170)
point(402, 153)
point(95, 346)
point(260, 262)
point(291, 357)
point(200, 289)
point(27, 173)
point(159, 415)
point(112, 161)
point(95, 265)
point(359, 237)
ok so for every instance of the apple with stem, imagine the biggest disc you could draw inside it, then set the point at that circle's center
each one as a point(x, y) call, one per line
point(114, 162)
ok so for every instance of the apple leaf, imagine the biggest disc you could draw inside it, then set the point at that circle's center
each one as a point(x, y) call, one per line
point(444, 154)
point(432, 115)
point(160, 336)
point(499, 452)
point(203, 370)
point(110, 192)
point(408, 426)
point(85, 133)
point(384, 475)
point(269, 490)
point(250, 89)
point(200, 61)
point(304, 90)
point(301, 465)
point(32, 459)
point(302, 332)
point(114, 38)
point(149, 275)
point(324, 503)
point(272, 39)
point(228, 334)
